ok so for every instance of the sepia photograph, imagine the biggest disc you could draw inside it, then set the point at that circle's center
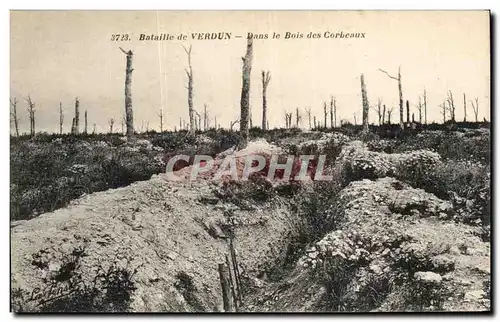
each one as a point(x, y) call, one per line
point(316, 161)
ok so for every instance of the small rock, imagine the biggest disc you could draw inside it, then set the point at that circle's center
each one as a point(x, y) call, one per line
point(53, 267)
point(483, 269)
point(442, 216)
point(414, 212)
point(376, 269)
point(474, 295)
point(428, 277)
point(454, 250)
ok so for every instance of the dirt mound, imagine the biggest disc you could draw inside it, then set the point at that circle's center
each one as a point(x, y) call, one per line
point(394, 250)
point(357, 162)
point(235, 158)
point(151, 246)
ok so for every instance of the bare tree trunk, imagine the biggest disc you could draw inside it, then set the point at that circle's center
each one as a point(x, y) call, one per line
point(308, 111)
point(161, 120)
point(61, 118)
point(475, 108)
point(315, 125)
point(14, 115)
point(400, 90)
point(443, 111)
point(86, 124)
point(31, 112)
point(425, 105)
point(355, 120)
point(451, 106)
point(245, 93)
point(111, 124)
point(189, 73)
point(383, 115)
point(266, 77)
point(77, 115)
point(73, 126)
point(297, 117)
point(335, 111)
point(128, 93)
point(365, 103)
point(407, 112)
point(331, 111)
point(413, 117)
point(233, 123)
point(380, 113)
point(93, 129)
point(465, 109)
point(325, 112)
point(419, 107)
point(205, 117)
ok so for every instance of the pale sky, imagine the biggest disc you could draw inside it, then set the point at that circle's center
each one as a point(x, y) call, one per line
point(57, 56)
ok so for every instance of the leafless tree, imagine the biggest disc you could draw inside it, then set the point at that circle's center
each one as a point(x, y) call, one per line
point(205, 117)
point(425, 105)
point(315, 125)
point(128, 93)
point(85, 115)
point(465, 109)
point(111, 122)
point(379, 110)
point(325, 112)
point(407, 111)
point(76, 128)
point(245, 92)
point(475, 108)
point(31, 113)
point(400, 90)
point(308, 112)
point(333, 116)
point(331, 111)
point(189, 73)
point(451, 105)
point(443, 111)
point(383, 115)
point(233, 123)
point(266, 78)
point(420, 107)
point(197, 120)
point(160, 115)
point(298, 118)
point(389, 114)
point(13, 114)
point(288, 120)
point(355, 120)
point(61, 118)
point(366, 105)
point(93, 129)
